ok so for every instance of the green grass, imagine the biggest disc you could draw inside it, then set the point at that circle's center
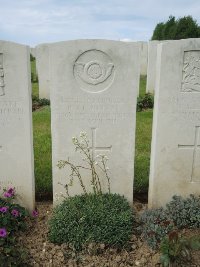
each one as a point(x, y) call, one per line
point(143, 80)
point(142, 150)
point(42, 150)
point(42, 146)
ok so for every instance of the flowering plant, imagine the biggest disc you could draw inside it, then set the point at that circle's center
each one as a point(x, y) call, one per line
point(13, 218)
point(93, 165)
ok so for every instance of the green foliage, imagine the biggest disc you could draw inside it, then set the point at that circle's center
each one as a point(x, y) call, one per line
point(187, 28)
point(145, 102)
point(178, 213)
point(158, 32)
point(155, 225)
point(176, 249)
point(12, 220)
point(39, 102)
point(32, 58)
point(182, 28)
point(100, 218)
point(185, 212)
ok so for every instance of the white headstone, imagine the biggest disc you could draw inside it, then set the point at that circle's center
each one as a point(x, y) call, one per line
point(175, 152)
point(94, 86)
point(143, 57)
point(16, 142)
point(151, 66)
point(42, 66)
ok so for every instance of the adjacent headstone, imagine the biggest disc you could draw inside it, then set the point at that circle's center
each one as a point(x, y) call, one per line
point(16, 142)
point(42, 66)
point(175, 156)
point(143, 58)
point(151, 66)
point(94, 86)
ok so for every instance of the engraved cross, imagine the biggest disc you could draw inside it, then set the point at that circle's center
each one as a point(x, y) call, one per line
point(95, 148)
point(195, 147)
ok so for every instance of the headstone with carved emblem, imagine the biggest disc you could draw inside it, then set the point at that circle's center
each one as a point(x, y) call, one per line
point(175, 152)
point(94, 86)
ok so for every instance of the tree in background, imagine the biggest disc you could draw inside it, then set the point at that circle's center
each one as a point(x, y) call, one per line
point(173, 29)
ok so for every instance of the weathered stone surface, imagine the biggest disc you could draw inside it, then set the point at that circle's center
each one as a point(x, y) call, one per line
point(94, 86)
point(16, 144)
point(151, 66)
point(143, 57)
point(175, 149)
point(42, 66)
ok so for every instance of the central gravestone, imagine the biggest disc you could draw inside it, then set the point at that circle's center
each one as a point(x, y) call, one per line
point(94, 86)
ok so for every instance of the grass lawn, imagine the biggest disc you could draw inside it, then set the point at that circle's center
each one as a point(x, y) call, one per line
point(42, 146)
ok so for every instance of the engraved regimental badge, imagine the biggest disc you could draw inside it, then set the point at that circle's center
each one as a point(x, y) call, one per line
point(94, 71)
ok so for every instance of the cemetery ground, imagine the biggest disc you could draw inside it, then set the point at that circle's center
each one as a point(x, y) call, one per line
point(44, 253)
point(35, 241)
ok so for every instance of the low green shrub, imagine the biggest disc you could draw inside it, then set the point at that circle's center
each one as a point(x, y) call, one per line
point(179, 213)
point(145, 102)
point(156, 223)
point(100, 218)
point(39, 102)
point(185, 212)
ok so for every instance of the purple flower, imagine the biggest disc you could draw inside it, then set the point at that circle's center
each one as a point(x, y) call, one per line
point(6, 194)
point(3, 232)
point(11, 191)
point(34, 213)
point(3, 209)
point(15, 213)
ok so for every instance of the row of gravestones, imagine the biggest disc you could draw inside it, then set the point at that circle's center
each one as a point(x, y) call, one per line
point(41, 53)
point(148, 59)
point(94, 85)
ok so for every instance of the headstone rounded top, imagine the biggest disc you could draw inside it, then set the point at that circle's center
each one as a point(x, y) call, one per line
point(94, 71)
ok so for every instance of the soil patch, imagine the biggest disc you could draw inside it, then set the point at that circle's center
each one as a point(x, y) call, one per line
point(44, 253)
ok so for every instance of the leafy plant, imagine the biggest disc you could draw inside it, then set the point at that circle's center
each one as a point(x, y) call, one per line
point(13, 218)
point(39, 102)
point(185, 212)
point(176, 249)
point(156, 223)
point(145, 102)
point(101, 218)
point(92, 217)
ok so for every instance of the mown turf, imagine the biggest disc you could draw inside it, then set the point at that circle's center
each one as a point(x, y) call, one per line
point(42, 150)
point(143, 80)
point(142, 150)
